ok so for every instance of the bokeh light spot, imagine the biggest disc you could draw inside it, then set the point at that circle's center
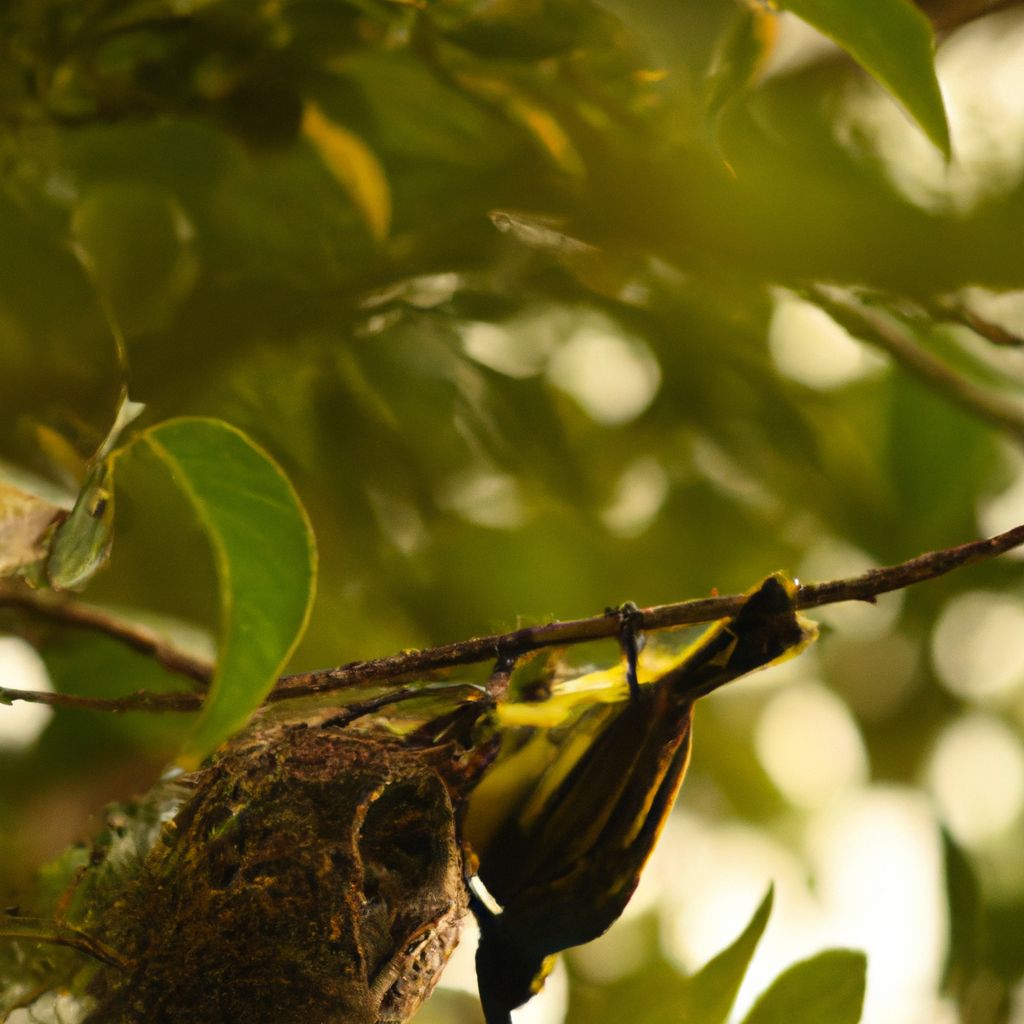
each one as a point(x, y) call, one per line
point(978, 645)
point(518, 349)
point(976, 772)
point(21, 668)
point(876, 678)
point(1005, 509)
point(832, 558)
point(878, 871)
point(485, 499)
point(809, 744)
point(639, 494)
point(808, 346)
point(612, 378)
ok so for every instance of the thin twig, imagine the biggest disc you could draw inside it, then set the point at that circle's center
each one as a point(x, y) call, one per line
point(411, 665)
point(888, 334)
point(131, 634)
point(948, 14)
point(706, 609)
point(141, 700)
point(30, 929)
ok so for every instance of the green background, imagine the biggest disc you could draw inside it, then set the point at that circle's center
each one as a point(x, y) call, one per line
point(344, 296)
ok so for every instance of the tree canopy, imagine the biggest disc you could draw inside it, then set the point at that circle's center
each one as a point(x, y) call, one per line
point(469, 315)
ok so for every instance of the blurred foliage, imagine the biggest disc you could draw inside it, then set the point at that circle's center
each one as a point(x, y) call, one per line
point(493, 281)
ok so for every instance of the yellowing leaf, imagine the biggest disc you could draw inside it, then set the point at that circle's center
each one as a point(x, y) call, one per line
point(24, 522)
point(550, 134)
point(354, 166)
point(538, 121)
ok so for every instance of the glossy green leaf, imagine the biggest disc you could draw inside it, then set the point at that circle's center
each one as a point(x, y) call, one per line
point(894, 42)
point(827, 989)
point(712, 990)
point(265, 557)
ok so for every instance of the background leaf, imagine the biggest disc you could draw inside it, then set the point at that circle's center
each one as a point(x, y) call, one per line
point(451, 403)
point(741, 57)
point(711, 992)
point(354, 165)
point(892, 40)
point(827, 989)
point(266, 564)
point(965, 920)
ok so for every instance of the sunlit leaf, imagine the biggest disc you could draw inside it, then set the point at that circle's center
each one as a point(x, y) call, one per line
point(549, 133)
point(893, 40)
point(827, 989)
point(355, 167)
point(712, 990)
point(541, 123)
point(265, 557)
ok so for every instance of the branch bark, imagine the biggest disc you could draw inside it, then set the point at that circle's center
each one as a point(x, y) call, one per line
point(131, 634)
point(948, 14)
point(417, 664)
point(887, 333)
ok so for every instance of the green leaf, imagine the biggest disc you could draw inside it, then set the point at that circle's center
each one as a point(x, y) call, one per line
point(265, 557)
point(894, 42)
point(81, 544)
point(712, 990)
point(963, 896)
point(827, 989)
point(740, 56)
point(137, 243)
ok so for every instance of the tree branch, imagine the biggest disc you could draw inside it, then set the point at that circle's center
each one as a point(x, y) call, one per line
point(141, 700)
point(137, 637)
point(886, 332)
point(504, 647)
point(32, 929)
point(948, 14)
